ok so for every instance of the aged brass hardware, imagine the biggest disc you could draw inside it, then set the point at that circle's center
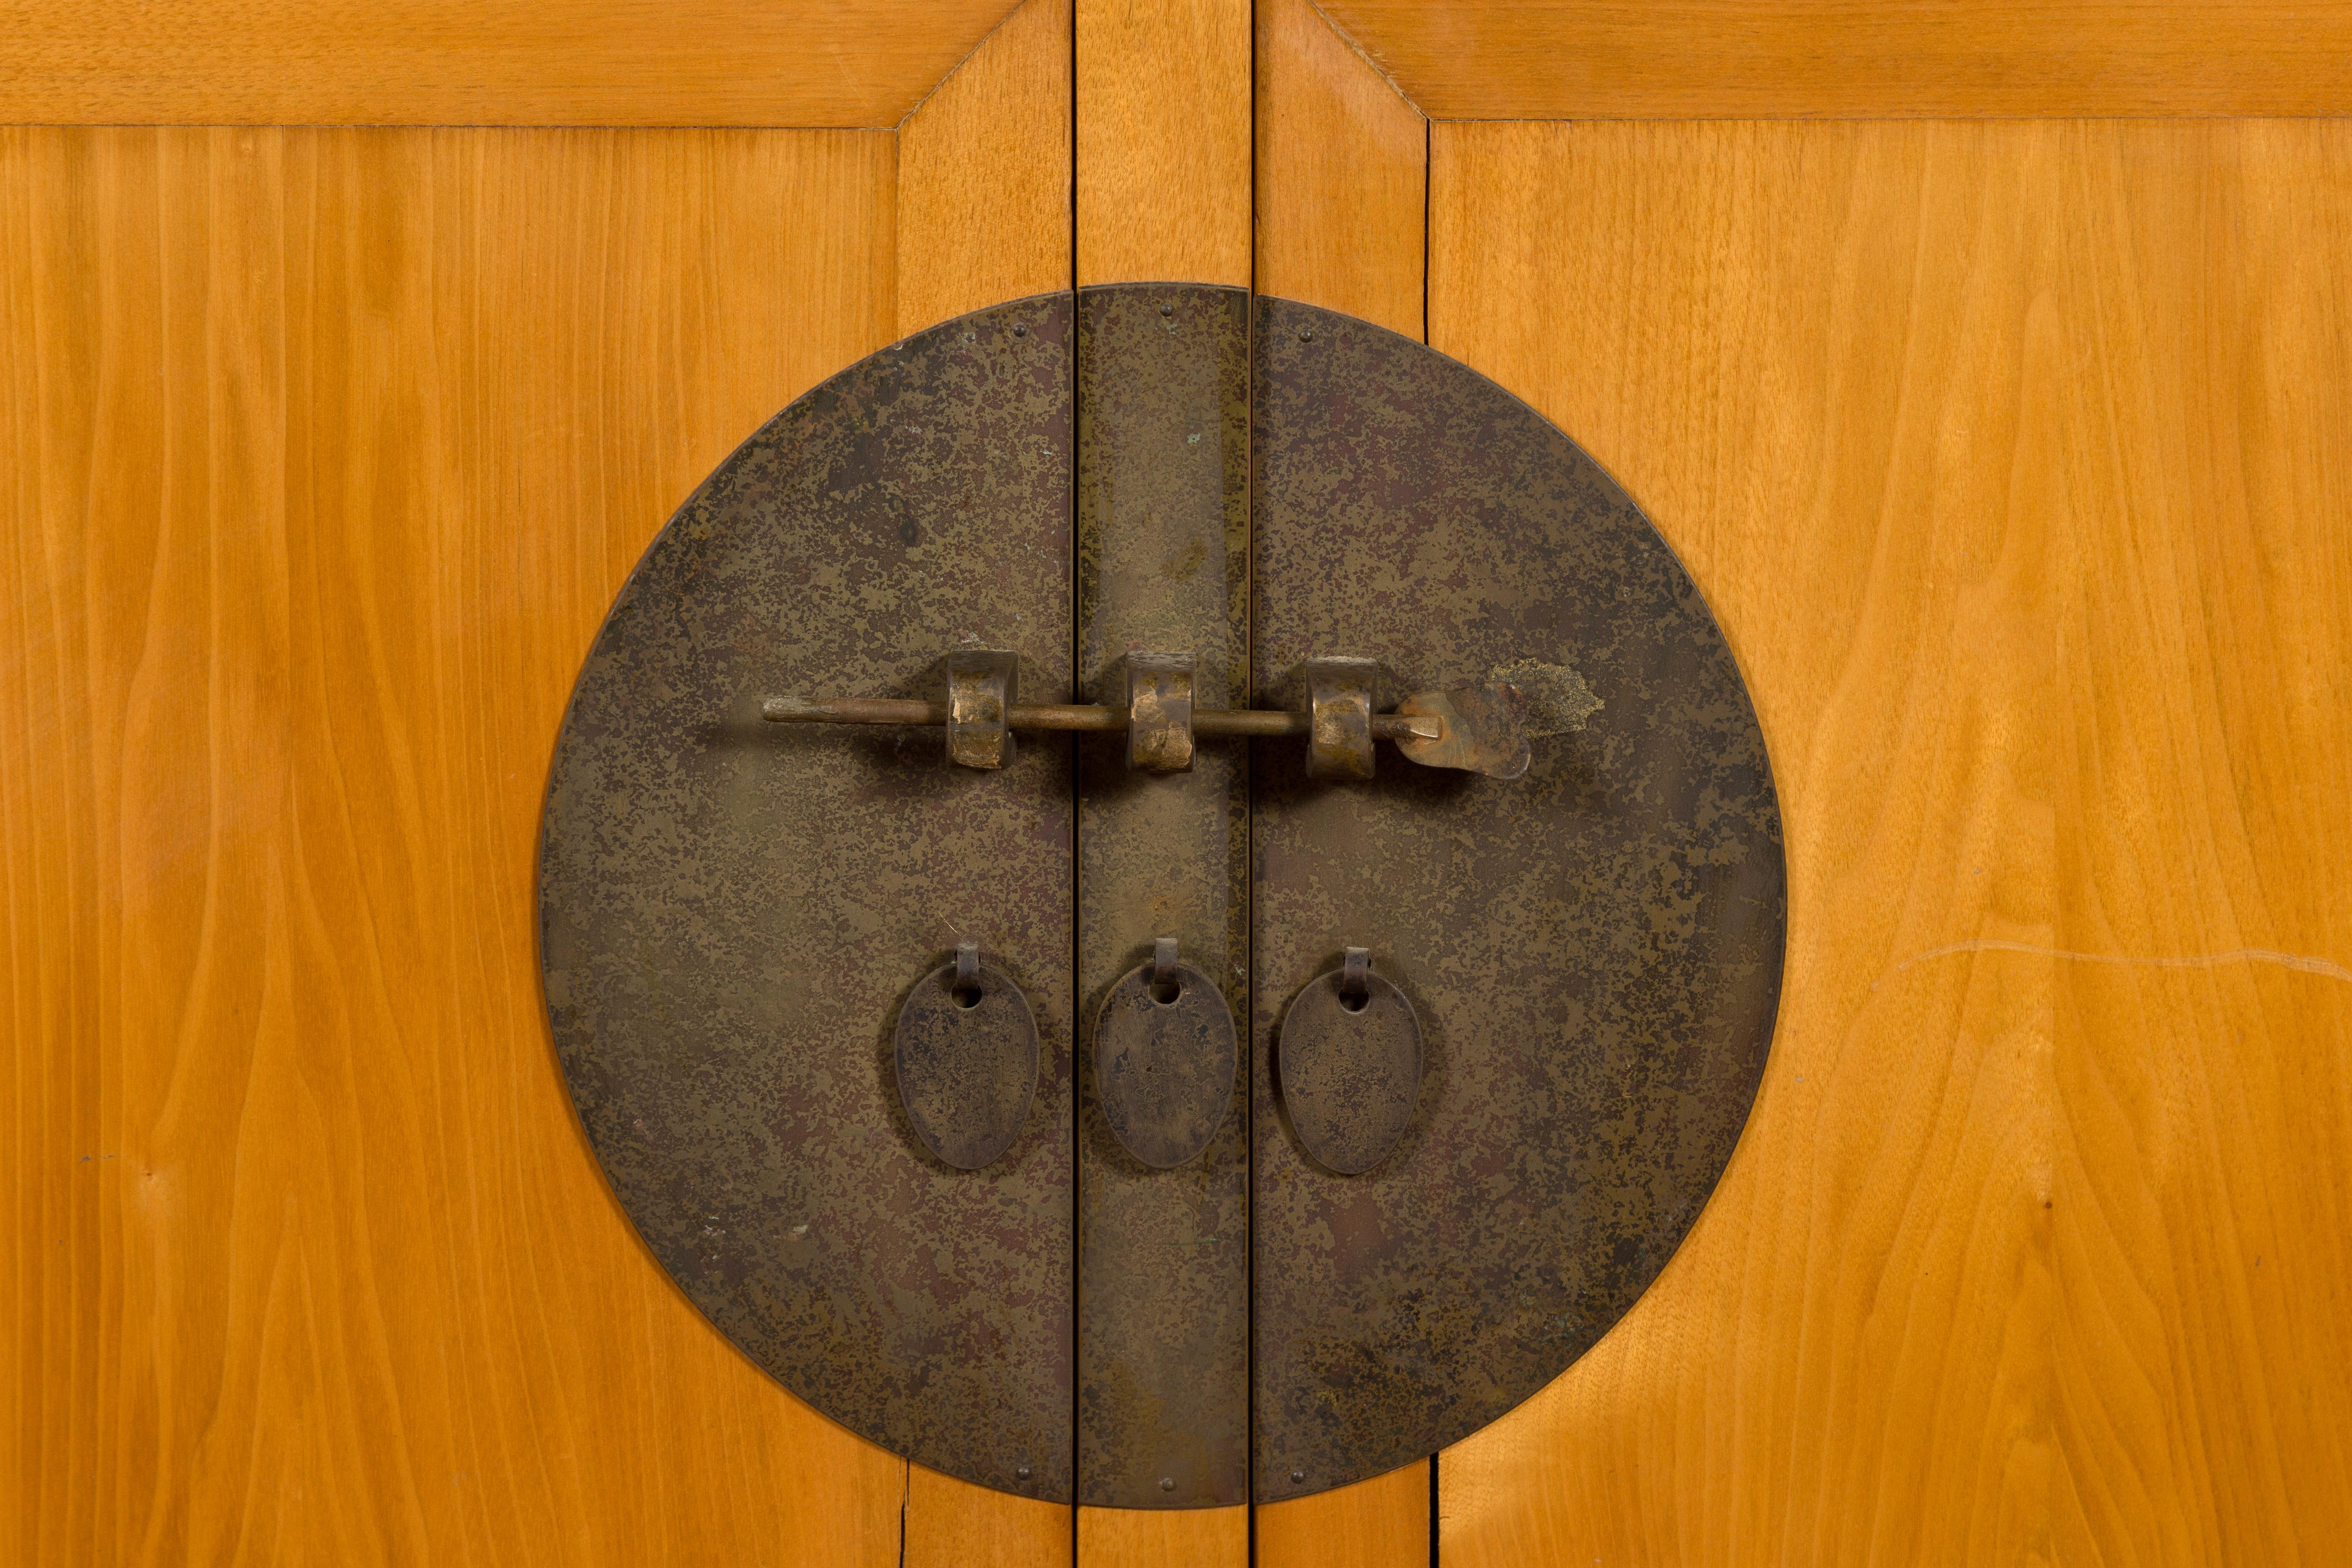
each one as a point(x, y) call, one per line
point(1035, 1242)
point(1481, 730)
point(1349, 1053)
point(983, 683)
point(1220, 722)
point(1160, 712)
point(1340, 718)
point(1165, 1051)
point(965, 1051)
point(1476, 729)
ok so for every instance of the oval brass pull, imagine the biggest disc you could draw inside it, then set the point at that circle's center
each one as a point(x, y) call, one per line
point(966, 1053)
point(1349, 1061)
point(1165, 1055)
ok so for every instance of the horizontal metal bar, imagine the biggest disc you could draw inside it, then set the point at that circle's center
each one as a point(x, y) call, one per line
point(1065, 716)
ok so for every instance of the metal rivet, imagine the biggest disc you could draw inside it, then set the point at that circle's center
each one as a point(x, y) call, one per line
point(1167, 309)
point(1168, 1483)
point(1299, 1475)
point(1305, 335)
point(1019, 330)
point(1022, 1472)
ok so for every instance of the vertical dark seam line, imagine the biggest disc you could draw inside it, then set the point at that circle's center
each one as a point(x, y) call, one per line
point(1249, 849)
point(1077, 1107)
point(1428, 180)
point(906, 1487)
point(1433, 1511)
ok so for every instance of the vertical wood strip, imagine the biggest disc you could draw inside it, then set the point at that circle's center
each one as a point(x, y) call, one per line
point(984, 175)
point(1163, 1538)
point(1380, 1523)
point(1341, 185)
point(983, 215)
point(1164, 142)
point(1342, 163)
point(952, 1523)
point(2202, 1188)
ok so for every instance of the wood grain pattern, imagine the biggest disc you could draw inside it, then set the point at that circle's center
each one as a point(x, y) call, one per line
point(1163, 141)
point(1645, 59)
point(328, 450)
point(984, 175)
point(2012, 458)
point(1342, 160)
point(819, 63)
point(952, 1523)
point(1380, 1523)
point(1163, 1538)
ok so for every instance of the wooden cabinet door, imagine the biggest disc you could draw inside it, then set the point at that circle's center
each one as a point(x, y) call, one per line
point(1991, 372)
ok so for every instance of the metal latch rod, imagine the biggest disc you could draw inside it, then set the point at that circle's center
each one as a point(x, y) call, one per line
point(1078, 716)
point(1477, 729)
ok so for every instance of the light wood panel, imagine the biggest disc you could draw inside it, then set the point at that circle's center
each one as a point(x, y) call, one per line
point(955, 1524)
point(1341, 166)
point(1380, 1523)
point(984, 175)
point(2205, 1213)
point(2012, 458)
point(1163, 1538)
point(836, 63)
point(328, 450)
point(1163, 141)
point(1670, 59)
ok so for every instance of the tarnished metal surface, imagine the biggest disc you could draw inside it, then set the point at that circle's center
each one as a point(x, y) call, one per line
point(983, 684)
point(1484, 730)
point(965, 1052)
point(732, 912)
point(1593, 948)
point(1164, 562)
point(1348, 1056)
point(1166, 1054)
point(1160, 712)
point(1339, 710)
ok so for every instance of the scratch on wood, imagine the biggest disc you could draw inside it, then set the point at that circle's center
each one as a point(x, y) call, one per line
point(2296, 961)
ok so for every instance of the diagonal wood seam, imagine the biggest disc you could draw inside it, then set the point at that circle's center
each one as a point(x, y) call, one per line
point(970, 54)
point(1365, 55)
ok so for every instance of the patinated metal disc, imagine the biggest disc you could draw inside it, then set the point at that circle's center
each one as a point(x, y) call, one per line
point(1593, 948)
point(731, 913)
